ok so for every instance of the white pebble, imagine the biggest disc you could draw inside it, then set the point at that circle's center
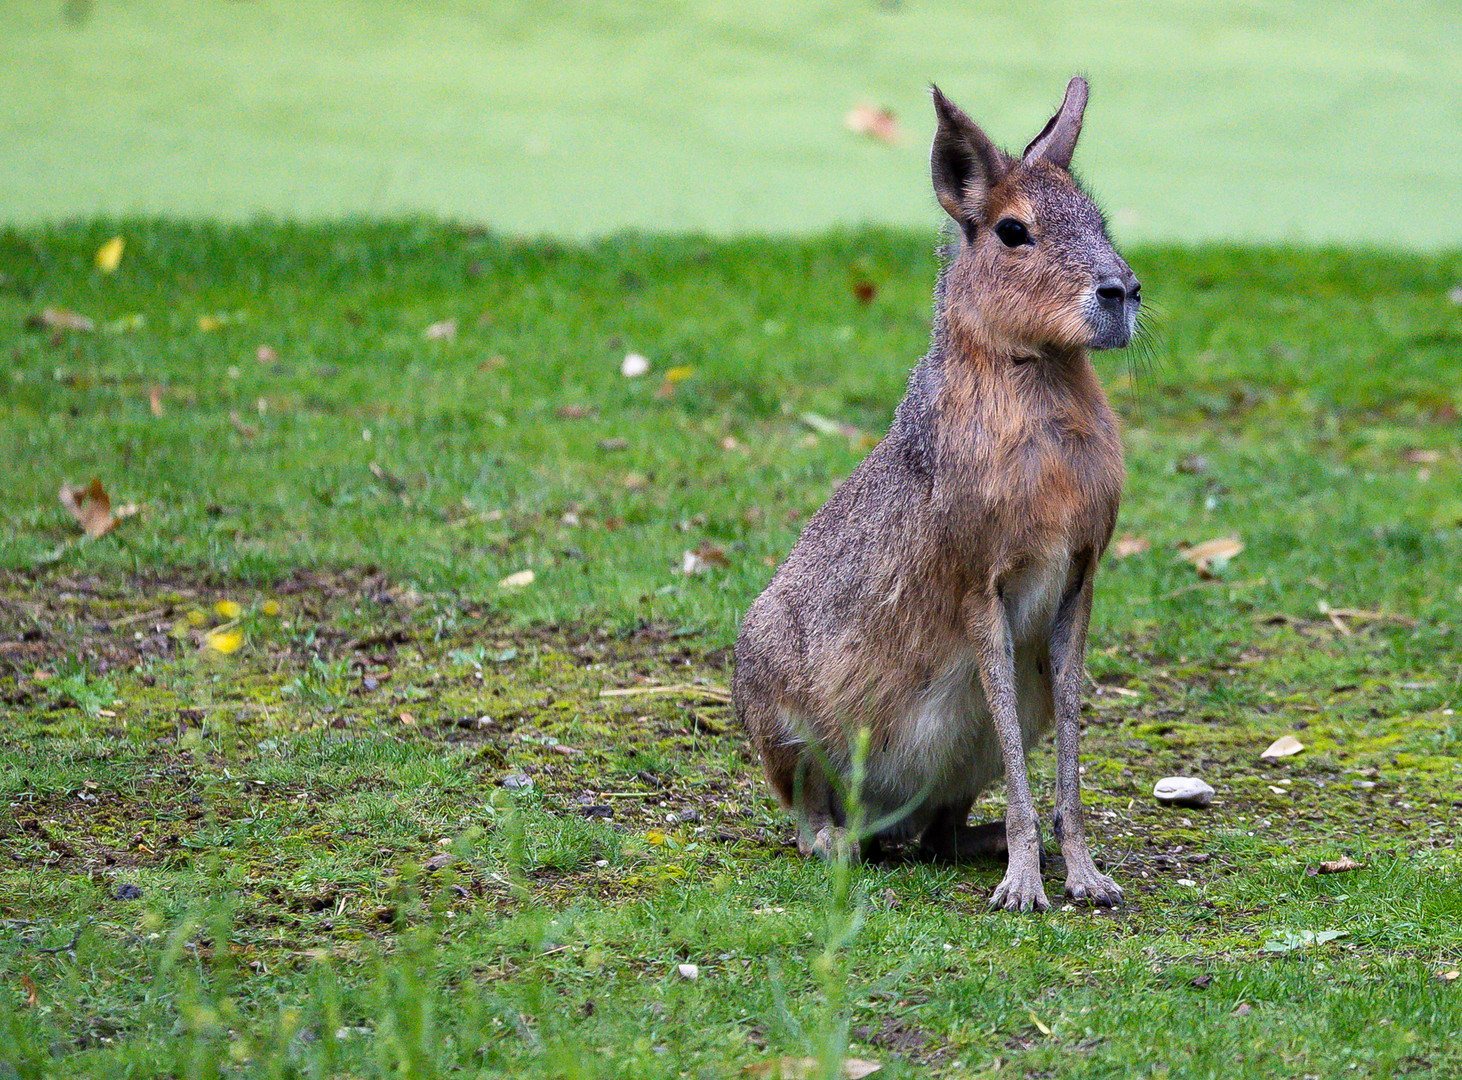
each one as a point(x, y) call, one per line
point(1183, 791)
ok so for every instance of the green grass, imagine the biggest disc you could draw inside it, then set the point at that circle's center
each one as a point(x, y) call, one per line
point(1251, 122)
point(277, 806)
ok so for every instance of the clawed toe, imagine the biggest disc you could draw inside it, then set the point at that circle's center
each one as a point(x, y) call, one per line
point(1097, 890)
point(1020, 890)
point(830, 843)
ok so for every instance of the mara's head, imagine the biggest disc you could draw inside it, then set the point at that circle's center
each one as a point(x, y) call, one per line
point(1034, 269)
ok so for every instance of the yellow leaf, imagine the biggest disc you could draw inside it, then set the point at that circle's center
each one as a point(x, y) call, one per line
point(1036, 1020)
point(207, 323)
point(679, 374)
point(109, 255)
point(228, 609)
point(655, 837)
point(197, 618)
point(270, 608)
point(226, 642)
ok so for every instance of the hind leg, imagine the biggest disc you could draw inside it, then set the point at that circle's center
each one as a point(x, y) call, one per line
point(948, 839)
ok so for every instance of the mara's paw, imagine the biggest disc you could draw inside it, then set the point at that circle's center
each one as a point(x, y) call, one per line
point(1093, 888)
point(831, 842)
point(1021, 889)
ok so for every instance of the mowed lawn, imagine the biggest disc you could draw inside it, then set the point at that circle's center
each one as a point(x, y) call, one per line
point(303, 776)
point(1279, 122)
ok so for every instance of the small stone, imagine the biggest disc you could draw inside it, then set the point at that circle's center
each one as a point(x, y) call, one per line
point(634, 366)
point(127, 891)
point(1187, 882)
point(439, 862)
point(517, 782)
point(1183, 791)
point(688, 972)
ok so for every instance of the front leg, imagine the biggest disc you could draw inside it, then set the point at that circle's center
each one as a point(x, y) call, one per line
point(1068, 671)
point(989, 626)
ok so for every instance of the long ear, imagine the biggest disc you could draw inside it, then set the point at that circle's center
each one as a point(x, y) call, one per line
point(963, 163)
point(1057, 140)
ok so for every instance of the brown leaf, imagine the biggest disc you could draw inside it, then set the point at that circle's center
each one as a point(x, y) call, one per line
point(1422, 457)
point(248, 431)
point(28, 985)
point(266, 354)
point(875, 121)
point(1129, 545)
point(1282, 747)
point(864, 291)
point(154, 400)
point(703, 558)
point(1343, 865)
point(1211, 554)
point(1193, 463)
point(572, 412)
point(799, 1068)
point(92, 508)
point(57, 318)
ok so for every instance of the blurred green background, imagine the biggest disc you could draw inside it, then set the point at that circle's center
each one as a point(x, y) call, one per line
point(1274, 122)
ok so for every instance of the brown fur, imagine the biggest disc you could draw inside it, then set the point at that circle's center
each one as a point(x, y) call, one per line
point(940, 599)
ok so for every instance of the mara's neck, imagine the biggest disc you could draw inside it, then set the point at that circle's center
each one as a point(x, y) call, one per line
point(971, 354)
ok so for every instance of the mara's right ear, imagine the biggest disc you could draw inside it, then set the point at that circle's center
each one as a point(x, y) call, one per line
point(964, 164)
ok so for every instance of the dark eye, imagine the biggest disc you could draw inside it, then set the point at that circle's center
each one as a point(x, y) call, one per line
point(1012, 233)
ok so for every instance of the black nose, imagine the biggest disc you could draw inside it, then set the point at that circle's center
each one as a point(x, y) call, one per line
point(1114, 292)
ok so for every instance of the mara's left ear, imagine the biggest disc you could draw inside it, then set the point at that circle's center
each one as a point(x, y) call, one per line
point(1057, 140)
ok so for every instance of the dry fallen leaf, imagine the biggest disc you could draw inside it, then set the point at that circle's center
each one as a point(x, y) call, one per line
point(266, 354)
point(1282, 747)
point(1343, 865)
point(154, 400)
point(1211, 554)
point(1422, 457)
point(1449, 976)
point(517, 581)
point(634, 480)
point(65, 319)
point(875, 121)
point(92, 508)
point(703, 558)
point(446, 330)
point(109, 255)
point(28, 985)
point(1129, 545)
point(572, 412)
point(248, 431)
point(1036, 1020)
point(799, 1068)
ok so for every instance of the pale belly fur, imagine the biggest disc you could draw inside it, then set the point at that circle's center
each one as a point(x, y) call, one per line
point(947, 749)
